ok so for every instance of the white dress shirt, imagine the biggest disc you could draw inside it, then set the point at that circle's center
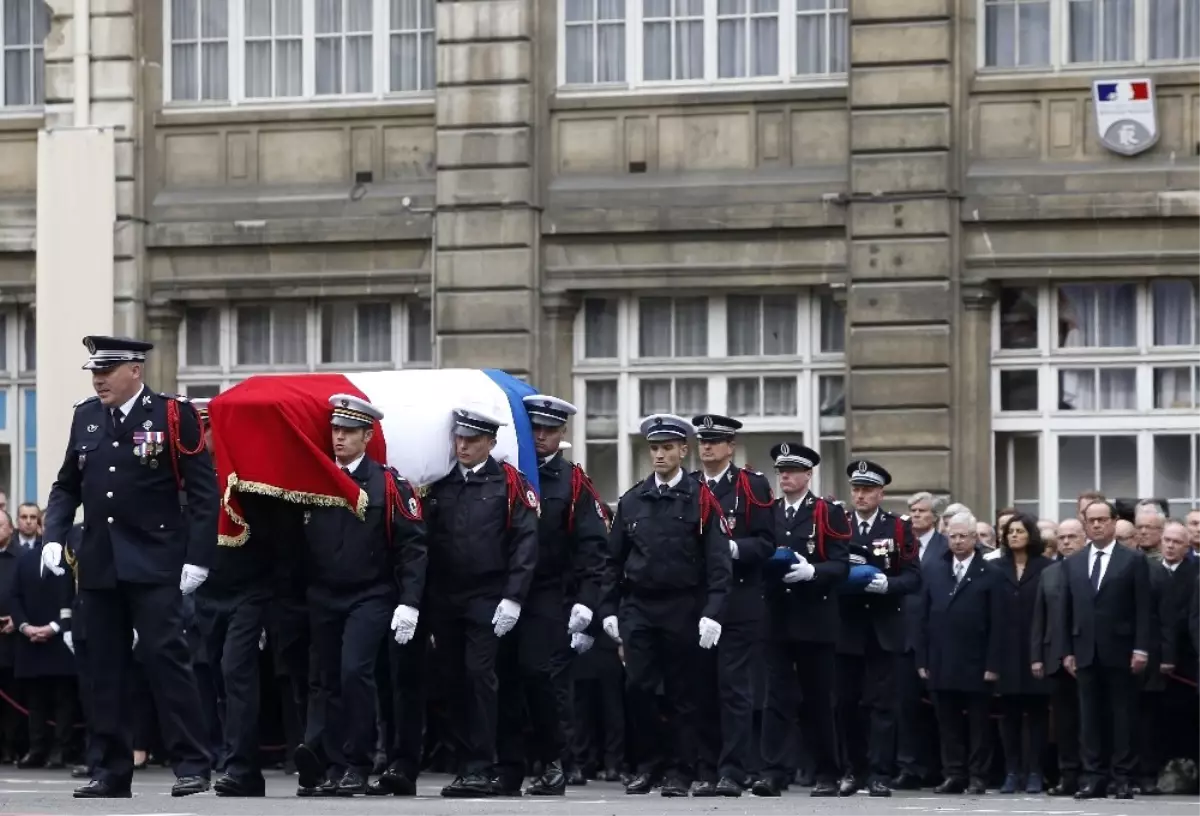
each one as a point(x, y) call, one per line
point(676, 479)
point(1108, 553)
point(870, 522)
point(961, 567)
point(463, 470)
point(353, 466)
point(925, 539)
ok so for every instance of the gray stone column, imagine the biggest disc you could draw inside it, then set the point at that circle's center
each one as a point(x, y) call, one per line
point(487, 224)
point(973, 425)
point(557, 341)
point(901, 235)
point(163, 319)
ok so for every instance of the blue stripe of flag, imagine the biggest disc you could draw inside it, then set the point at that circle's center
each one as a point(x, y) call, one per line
point(516, 390)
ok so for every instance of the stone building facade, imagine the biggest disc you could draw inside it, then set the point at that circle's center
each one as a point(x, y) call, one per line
point(887, 228)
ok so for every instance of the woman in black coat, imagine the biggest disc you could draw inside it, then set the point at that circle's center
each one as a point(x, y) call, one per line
point(1024, 699)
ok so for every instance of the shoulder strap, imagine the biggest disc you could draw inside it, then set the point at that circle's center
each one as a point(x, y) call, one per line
point(579, 483)
point(175, 445)
point(519, 490)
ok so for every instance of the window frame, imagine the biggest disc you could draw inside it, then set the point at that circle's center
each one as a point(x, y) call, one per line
point(634, 83)
point(381, 33)
point(32, 48)
point(1060, 45)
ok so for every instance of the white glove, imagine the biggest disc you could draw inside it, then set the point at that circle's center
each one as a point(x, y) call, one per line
point(67, 639)
point(506, 617)
point(262, 640)
point(581, 642)
point(581, 618)
point(733, 549)
point(611, 628)
point(878, 585)
point(192, 578)
point(710, 633)
point(404, 623)
point(52, 556)
point(800, 571)
point(135, 639)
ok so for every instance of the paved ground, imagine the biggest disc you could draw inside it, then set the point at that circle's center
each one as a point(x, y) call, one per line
point(45, 793)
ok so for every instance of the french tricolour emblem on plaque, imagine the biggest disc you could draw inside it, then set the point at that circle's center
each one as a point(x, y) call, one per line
point(1126, 121)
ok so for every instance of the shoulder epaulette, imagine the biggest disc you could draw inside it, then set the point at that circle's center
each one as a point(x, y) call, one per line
point(86, 400)
point(178, 397)
point(904, 518)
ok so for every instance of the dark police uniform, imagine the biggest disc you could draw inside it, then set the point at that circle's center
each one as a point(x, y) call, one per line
point(138, 539)
point(572, 535)
point(873, 632)
point(727, 742)
point(802, 628)
point(357, 571)
point(483, 553)
point(669, 569)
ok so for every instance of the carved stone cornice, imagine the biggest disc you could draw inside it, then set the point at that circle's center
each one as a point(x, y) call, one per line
point(978, 295)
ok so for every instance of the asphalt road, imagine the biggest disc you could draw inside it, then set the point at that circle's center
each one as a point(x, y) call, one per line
point(48, 793)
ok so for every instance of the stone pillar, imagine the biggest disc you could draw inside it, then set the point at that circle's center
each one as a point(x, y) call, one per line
point(973, 428)
point(558, 345)
point(487, 225)
point(901, 234)
point(163, 319)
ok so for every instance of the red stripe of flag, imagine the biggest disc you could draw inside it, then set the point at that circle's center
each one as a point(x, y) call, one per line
point(1141, 90)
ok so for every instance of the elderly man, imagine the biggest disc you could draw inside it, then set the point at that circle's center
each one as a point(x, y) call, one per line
point(1125, 534)
point(950, 512)
point(1148, 524)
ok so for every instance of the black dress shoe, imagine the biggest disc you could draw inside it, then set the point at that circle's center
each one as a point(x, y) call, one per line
point(505, 787)
point(352, 783)
point(1122, 790)
point(55, 762)
point(471, 786)
point(952, 786)
point(824, 789)
point(1065, 787)
point(327, 787)
point(703, 789)
point(767, 787)
point(577, 778)
point(81, 772)
point(977, 788)
point(1092, 790)
point(848, 786)
point(906, 781)
point(31, 760)
point(99, 789)
point(878, 789)
point(1149, 787)
point(392, 783)
point(674, 788)
point(188, 785)
point(607, 775)
point(309, 768)
point(552, 782)
point(642, 783)
point(728, 788)
point(232, 786)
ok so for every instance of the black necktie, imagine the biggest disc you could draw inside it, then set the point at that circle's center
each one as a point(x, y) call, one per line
point(346, 470)
point(863, 528)
point(117, 417)
point(790, 513)
point(712, 484)
point(663, 487)
point(1096, 570)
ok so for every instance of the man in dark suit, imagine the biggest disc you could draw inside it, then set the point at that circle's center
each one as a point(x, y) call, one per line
point(1046, 648)
point(959, 651)
point(916, 734)
point(130, 455)
point(1179, 669)
point(1107, 635)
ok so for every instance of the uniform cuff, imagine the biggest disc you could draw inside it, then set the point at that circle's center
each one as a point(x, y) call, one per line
point(54, 625)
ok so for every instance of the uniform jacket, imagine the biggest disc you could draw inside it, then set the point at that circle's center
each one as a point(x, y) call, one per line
point(1105, 627)
point(807, 611)
point(962, 634)
point(659, 547)
point(934, 550)
point(249, 566)
point(879, 615)
point(349, 555)
point(1046, 644)
point(136, 528)
point(753, 528)
point(572, 534)
point(479, 548)
point(39, 598)
point(1018, 599)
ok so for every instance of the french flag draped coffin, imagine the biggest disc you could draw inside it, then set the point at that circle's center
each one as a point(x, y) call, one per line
point(271, 433)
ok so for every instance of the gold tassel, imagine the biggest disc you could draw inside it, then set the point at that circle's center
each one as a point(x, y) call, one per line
point(293, 496)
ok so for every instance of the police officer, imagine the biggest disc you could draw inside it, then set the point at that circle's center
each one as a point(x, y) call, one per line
point(667, 583)
point(483, 527)
point(129, 455)
point(872, 631)
point(727, 746)
point(802, 624)
point(572, 535)
point(357, 571)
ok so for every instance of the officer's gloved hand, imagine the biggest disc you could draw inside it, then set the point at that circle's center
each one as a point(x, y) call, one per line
point(506, 617)
point(581, 618)
point(581, 642)
point(69, 641)
point(262, 640)
point(878, 585)
point(52, 556)
point(733, 549)
point(192, 578)
point(611, 628)
point(404, 623)
point(710, 633)
point(800, 571)
point(135, 640)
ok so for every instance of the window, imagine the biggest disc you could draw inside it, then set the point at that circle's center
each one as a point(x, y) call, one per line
point(238, 51)
point(224, 343)
point(1068, 33)
point(1177, 470)
point(629, 44)
point(751, 356)
point(28, 340)
point(833, 326)
point(1092, 385)
point(23, 29)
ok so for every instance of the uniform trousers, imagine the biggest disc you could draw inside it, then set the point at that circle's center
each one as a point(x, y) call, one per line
point(866, 712)
point(406, 670)
point(348, 627)
point(662, 647)
point(232, 624)
point(726, 747)
point(531, 669)
point(598, 696)
point(800, 705)
point(466, 649)
point(156, 612)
